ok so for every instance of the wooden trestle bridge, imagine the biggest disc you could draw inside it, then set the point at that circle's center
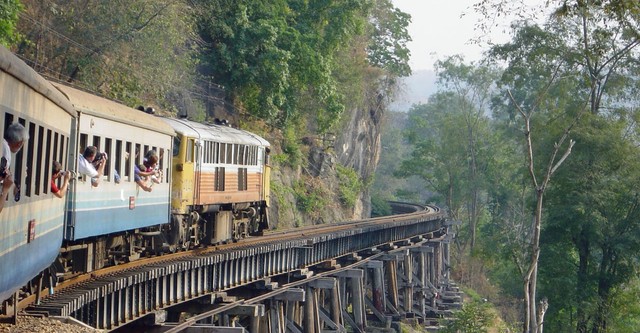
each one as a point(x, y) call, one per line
point(330, 278)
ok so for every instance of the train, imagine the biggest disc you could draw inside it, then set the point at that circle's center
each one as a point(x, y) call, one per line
point(212, 183)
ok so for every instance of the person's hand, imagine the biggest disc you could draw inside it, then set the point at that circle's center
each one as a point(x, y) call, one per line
point(67, 175)
point(8, 181)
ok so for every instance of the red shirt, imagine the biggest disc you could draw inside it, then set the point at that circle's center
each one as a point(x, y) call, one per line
point(54, 187)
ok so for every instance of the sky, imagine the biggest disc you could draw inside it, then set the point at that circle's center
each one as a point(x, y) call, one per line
point(441, 28)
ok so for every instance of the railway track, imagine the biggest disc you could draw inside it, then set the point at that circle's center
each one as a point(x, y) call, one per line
point(112, 297)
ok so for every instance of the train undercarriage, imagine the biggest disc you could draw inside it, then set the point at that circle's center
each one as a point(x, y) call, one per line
point(201, 227)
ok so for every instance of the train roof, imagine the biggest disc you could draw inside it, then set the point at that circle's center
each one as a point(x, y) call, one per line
point(11, 64)
point(91, 104)
point(217, 133)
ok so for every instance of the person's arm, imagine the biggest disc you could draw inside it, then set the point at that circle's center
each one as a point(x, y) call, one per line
point(6, 189)
point(65, 183)
point(144, 186)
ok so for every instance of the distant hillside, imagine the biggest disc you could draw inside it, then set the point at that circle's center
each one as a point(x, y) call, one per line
point(414, 89)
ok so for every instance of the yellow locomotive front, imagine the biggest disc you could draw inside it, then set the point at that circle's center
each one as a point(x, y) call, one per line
point(220, 183)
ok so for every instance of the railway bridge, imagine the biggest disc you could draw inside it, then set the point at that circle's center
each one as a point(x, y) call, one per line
point(331, 278)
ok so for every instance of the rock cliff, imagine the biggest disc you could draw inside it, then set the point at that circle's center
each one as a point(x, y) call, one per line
point(317, 190)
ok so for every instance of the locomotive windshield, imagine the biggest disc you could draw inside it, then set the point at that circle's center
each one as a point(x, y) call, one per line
point(176, 145)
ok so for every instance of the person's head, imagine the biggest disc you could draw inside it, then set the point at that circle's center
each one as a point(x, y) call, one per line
point(90, 153)
point(56, 169)
point(151, 161)
point(16, 135)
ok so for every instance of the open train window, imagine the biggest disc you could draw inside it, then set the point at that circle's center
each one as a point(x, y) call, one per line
point(118, 158)
point(162, 164)
point(96, 142)
point(109, 166)
point(18, 171)
point(127, 161)
point(56, 143)
point(139, 155)
point(47, 162)
point(38, 159)
point(84, 138)
point(30, 160)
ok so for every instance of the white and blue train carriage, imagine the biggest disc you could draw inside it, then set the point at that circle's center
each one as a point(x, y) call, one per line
point(31, 223)
point(110, 219)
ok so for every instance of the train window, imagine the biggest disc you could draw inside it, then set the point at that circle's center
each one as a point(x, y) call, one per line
point(221, 152)
point(145, 150)
point(205, 155)
point(18, 172)
point(47, 163)
point(254, 155)
point(83, 142)
point(189, 153)
point(127, 161)
point(238, 154)
point(229, 158)
point(56, 142)
point(118, 160)
point(209, 152)
point(108, 167)
point(38, 160)
point(242, 179)
point(96, 142)
point(30, 161)
point(161, 164)
point(218, 184)
point(176, 145)
point(214, 152)
point(138, 157)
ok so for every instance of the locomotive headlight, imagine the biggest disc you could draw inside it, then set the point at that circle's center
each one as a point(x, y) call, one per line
point(179, 167)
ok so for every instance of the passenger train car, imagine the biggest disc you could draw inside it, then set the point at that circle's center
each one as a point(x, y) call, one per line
point(31, 223)
point(213, 188)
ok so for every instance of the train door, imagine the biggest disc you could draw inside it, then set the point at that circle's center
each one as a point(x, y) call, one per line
point(183, 187)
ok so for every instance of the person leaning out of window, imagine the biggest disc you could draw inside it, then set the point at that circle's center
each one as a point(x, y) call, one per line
point(57, 172)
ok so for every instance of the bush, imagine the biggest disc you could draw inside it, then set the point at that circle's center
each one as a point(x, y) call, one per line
point(380, 206)
point(350, 185)
point(474, 317)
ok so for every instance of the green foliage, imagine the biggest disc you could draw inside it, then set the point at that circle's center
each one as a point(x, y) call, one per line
point(9, 11)
point(380, 206)
point(474, 317)
point(350, 185)
point(291, 147)
point(388, 46)
point(139, 52)
point(269, 52)
point(311, 198)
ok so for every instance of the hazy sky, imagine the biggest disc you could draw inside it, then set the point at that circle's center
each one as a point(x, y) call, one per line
point(438, 30)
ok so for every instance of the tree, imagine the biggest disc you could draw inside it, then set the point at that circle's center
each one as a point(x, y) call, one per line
point(9, 11)
point(452, 140)
point(389, 38)
point(535, 60)
point(267, 53)
point(134, 51)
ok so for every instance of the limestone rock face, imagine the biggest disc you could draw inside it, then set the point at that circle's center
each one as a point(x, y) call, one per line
point(358, 147)
point(355, 146)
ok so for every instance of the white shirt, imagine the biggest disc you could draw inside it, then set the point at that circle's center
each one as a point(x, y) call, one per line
point(6, 152)
point(86, 168)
